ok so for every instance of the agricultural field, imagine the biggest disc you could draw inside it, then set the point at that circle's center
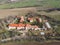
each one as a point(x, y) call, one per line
point(16, 11)
point(32, 3)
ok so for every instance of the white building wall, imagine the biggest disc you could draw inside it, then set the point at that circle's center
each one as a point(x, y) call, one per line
point(37, 28)
point(18, 28)
point(27, 28)
point(48, 25)
point(31, 20)
point(11, 27)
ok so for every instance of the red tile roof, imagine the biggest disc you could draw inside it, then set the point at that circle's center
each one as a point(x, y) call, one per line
point(28, 25)
point(13, 25)
point(35, 26)
point(21, 25)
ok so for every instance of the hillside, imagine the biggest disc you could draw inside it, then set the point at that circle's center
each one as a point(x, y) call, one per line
point(40, 11)
point(29, 3)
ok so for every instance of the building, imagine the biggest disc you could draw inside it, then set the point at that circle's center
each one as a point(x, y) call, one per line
point(39, 19)
point(12, 26)
point(28, 26)
point(47, 24)
point(21, 26)
point(21, 19)
point(36, 27)
point(30, 19)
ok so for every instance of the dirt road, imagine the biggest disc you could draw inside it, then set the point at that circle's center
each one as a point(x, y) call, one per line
point(24, 11)
point(17, 11)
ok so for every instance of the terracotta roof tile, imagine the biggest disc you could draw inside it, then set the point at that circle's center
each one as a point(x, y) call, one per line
point(21, 25)
point(28, 25)
point(13, 25)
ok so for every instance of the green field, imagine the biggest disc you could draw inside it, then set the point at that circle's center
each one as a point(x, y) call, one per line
point(31, 3)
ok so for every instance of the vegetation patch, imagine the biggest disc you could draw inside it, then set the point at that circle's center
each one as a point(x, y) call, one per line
point(32, 3)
